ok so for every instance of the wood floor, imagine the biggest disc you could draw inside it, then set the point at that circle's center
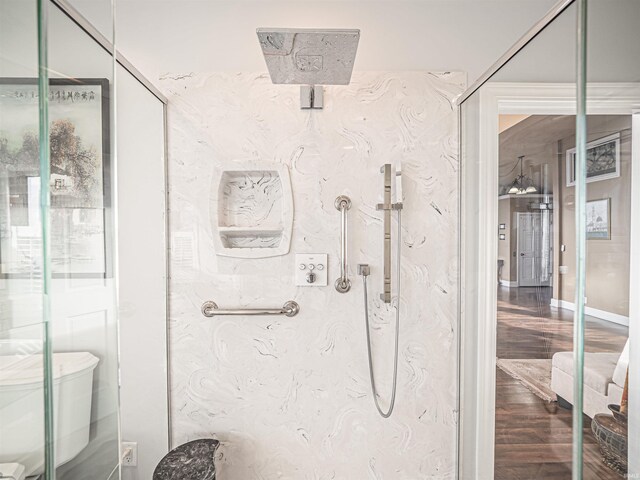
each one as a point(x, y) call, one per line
point(533, 438)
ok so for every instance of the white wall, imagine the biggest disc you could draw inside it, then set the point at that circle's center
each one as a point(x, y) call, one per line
point(144, 405)
point(290, 397)
point(161, 36)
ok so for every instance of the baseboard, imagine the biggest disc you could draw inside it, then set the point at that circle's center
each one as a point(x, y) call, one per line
point(508, 284)
point(593, 312)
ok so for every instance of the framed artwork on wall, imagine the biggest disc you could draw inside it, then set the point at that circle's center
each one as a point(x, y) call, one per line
point(80, 191)
point(603, 160)
point(599, 219)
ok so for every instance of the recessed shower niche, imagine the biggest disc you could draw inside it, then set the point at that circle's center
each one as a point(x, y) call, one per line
point(252, 211)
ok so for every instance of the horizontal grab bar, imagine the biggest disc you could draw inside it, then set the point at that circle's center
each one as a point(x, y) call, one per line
point(290, 309)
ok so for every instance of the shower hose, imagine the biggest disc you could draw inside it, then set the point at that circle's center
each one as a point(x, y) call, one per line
point(374, 390)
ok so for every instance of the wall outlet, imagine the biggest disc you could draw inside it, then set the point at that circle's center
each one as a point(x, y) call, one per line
point(129, 454)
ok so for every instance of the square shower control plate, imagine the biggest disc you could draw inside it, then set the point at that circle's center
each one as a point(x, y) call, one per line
point(311, 269)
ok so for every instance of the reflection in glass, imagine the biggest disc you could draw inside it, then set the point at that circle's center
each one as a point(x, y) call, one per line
point(22, 394)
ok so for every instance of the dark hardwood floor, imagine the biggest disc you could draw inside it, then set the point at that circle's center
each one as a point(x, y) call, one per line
point(533, 438)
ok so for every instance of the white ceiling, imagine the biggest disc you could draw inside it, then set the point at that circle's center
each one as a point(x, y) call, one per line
point(179, 36)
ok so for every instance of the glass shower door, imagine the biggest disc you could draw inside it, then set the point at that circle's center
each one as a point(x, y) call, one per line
point(612, 231)
point(82, 233)
point(23, 345)
point(514, 325)
point(58, 318)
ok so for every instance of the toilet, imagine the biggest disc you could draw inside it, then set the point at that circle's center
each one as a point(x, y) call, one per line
point(22, 410)
point(11, 471)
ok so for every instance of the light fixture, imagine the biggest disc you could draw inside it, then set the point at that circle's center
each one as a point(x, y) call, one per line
point(522, 184)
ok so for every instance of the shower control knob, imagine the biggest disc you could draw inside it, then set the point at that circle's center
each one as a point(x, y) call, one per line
point(310, 269)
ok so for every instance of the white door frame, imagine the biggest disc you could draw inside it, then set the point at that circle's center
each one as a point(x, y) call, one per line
point(634, 302)
point(478, 312)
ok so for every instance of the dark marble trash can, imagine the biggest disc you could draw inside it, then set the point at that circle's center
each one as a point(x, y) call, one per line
point(191, 461)
point(612, 440)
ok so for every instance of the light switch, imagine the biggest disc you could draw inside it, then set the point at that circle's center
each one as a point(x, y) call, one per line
point(311, 270)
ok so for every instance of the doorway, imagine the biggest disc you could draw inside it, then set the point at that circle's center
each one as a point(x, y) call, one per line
point(534, 252)
point(497, 400)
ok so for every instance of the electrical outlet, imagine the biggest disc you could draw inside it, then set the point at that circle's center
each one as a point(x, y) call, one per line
point(129, 454)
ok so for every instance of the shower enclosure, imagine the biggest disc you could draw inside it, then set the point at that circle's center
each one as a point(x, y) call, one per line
point(566, 72)
point(81, 284)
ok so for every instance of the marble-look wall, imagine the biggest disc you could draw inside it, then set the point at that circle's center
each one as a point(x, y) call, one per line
point(289, 398)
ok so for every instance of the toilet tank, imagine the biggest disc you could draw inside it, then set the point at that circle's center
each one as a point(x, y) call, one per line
point(22, 409)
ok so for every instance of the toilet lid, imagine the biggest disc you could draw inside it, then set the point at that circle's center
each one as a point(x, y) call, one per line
point(27, 369)
point(13, 471)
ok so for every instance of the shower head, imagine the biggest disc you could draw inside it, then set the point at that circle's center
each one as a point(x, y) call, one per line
point(309, 56)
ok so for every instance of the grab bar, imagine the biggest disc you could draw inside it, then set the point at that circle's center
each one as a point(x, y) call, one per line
point(290, 309)
point(343, 285)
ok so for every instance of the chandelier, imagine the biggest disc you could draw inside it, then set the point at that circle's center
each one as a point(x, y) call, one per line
point(522, 184)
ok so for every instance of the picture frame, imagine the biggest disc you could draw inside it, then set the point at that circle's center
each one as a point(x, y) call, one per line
point(599, 219)
point(502, 226)
point(503, 236)
point(603, 160)
point(81, 225)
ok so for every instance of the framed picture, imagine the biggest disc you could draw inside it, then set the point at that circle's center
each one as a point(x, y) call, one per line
point(503, 236)
point(502, 226)
point(603, 160)
point(80, 198)
point(599, 219)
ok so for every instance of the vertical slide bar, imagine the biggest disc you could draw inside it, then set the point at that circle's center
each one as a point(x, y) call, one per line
point(385, 296)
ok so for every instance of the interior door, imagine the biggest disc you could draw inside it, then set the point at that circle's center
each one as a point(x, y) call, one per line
point(529, 249)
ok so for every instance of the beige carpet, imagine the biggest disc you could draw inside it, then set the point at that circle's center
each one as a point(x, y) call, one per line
point(532, 373)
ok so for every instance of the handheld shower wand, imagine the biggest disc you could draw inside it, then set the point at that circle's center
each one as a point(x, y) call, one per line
point(364, 270)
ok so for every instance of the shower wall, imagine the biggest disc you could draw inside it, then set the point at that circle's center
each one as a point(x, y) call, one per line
point(290, 397)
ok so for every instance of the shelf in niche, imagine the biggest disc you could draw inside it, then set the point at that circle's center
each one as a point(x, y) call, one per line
point(252, 212)
point(247, 230)
point(243, 238)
